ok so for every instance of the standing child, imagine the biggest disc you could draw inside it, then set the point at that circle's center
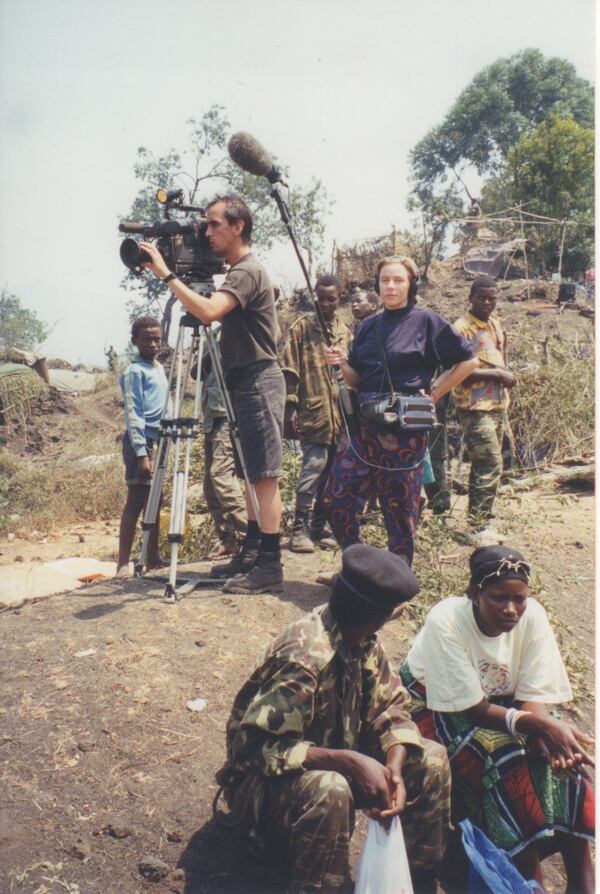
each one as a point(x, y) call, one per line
point(145, 387)
point(481, 403)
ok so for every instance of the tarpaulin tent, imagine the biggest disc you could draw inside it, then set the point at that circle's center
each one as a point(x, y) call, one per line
point(491, 258)
point(71, 382)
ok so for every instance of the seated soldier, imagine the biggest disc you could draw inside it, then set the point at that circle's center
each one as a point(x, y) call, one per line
point(321, 728)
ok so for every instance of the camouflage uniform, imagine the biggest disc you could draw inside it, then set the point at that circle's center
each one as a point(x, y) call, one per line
point(312, 689)
point(310, 383)
point(222, 489)
point(481, 408)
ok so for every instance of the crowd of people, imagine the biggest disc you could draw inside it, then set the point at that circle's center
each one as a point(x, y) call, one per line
point(325, 725)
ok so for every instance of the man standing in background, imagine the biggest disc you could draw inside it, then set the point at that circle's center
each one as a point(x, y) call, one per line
point(312, 412)
point(222, 489)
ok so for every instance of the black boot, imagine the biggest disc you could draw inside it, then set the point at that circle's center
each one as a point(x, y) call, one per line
point(322, 537)
point(299, 541)
point(266, 576)
point(240, 564)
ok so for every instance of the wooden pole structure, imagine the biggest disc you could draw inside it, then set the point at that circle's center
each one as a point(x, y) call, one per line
point(524, 252)
point(560, 253)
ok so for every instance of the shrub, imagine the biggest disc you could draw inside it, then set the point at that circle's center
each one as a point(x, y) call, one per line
point(46, 497)
point(552, 409)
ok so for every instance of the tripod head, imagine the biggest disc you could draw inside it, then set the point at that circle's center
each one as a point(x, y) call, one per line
point(205, 287)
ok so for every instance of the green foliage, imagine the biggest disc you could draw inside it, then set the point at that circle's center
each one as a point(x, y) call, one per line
point(292, 463)
point(507, 99)
point(488, 129)
point(204, 164)
point(551, 171)
point(437, 211)
point(19, 327)
point(17, 393)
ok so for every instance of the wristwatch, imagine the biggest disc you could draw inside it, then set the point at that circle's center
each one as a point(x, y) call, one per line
point(169, 277)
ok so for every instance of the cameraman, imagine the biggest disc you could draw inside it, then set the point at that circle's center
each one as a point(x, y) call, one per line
point(246, 308)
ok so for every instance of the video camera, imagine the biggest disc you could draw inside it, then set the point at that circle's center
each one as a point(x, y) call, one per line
point(182, 243)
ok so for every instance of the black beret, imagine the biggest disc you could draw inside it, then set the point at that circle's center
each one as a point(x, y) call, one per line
point(377, 576)
point(491, 562)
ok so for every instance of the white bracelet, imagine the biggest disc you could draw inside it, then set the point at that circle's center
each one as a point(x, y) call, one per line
point(510, 713)
point(511, 719)
point(516, 719)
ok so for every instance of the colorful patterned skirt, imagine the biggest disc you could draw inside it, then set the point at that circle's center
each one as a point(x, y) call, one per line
point(513, 797)
point(389, 466)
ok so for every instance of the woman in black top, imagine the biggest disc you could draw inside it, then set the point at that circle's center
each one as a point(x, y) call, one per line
point(416, 341)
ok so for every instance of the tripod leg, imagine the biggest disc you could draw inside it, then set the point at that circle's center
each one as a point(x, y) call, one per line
point(186, 431)
point(150, 518)
point(177, 524)
point(151, 511)
point(175, 527)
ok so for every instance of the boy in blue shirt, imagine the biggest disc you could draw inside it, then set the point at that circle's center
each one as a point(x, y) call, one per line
point(145, 387)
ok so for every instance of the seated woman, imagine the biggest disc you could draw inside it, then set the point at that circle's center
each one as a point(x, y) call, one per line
point(482, 673)
point(412, 342)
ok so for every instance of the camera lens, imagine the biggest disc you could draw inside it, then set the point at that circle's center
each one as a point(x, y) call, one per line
point(132, 255)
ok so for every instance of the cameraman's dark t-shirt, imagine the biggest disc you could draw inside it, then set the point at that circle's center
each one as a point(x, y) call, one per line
point(248, 333)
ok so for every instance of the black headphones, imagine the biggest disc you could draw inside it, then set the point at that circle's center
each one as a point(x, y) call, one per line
point(414, 285)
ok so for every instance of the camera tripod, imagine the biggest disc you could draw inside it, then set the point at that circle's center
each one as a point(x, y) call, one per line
point(180, 431)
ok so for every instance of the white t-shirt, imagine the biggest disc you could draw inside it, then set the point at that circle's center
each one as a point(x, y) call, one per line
point(459, 665)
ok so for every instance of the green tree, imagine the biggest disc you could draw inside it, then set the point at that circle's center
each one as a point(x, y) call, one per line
point(550, 172)
point(504, 103)
point(19, 327)
point(505, 100)
point(204, 164)
point(436, 213)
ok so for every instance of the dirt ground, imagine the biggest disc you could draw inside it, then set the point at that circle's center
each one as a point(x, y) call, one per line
point(57, 422)
point(107, 778)
point(105, 771)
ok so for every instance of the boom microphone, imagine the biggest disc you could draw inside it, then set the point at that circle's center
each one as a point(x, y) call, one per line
point(249, 155)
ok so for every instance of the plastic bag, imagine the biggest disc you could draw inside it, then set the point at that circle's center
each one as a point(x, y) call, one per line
point(491, 870)
point(382, 867)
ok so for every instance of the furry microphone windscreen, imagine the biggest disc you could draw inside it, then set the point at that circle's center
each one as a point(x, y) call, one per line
point(249, 155)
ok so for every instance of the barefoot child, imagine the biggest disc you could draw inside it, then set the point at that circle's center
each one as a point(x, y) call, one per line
point(144, 386)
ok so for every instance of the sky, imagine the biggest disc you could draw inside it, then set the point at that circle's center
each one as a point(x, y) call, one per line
point(336, 89)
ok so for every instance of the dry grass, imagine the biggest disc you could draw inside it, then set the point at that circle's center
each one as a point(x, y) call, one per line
point(49, 496)
point(552, 409)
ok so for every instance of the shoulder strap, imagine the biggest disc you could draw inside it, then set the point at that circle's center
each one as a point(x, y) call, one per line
point(381, 349)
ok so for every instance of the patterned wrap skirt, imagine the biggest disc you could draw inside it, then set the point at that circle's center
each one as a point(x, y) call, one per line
point(512, 796)
point(388, 466)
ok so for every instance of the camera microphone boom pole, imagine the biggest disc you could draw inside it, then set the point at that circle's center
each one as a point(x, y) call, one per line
point(248, 154)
